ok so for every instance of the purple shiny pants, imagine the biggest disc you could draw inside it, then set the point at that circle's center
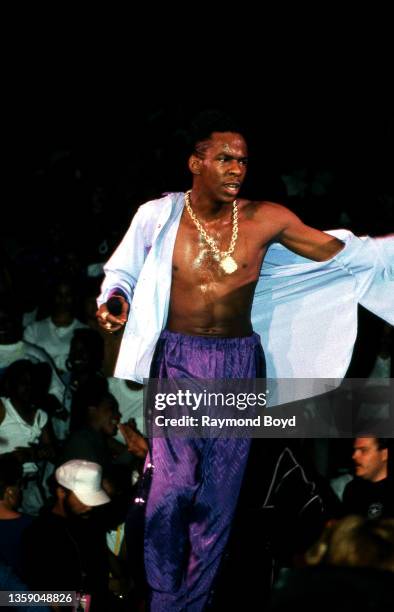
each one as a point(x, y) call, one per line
point(196, 482)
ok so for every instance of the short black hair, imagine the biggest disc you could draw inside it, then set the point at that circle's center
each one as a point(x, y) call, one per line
point(13, 373)
point(204, 124)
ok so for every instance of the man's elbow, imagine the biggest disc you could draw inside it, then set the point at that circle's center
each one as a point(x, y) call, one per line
point(328, 250)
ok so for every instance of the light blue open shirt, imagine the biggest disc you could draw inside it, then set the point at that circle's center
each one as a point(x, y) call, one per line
point(304, 311)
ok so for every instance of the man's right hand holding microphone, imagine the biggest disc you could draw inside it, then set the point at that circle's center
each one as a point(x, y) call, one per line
point(113, 314)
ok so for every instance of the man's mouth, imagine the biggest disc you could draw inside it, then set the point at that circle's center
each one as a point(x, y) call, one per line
point(232, 187)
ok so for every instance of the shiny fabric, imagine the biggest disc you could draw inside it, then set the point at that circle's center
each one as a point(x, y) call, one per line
point(195, 483)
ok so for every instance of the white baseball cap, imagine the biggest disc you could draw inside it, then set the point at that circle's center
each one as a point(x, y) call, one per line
point(84, 479)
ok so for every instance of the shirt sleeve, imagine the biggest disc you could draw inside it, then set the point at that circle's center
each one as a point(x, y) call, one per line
point(306, 311)
point(123, 268)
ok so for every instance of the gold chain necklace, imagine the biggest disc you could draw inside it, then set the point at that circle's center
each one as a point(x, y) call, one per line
point(227, 263)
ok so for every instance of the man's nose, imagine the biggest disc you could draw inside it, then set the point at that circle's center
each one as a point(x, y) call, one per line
point(236, 168)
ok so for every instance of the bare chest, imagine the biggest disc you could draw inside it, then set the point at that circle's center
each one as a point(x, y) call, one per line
point(196, 263)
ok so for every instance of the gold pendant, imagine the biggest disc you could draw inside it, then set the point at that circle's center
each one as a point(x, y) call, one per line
point(228, 264)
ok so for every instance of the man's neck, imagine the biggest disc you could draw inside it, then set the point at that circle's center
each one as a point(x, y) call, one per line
point(59, 509)
point(208, 209)
point(62, 319)
point(379, 477)
point(25, 410)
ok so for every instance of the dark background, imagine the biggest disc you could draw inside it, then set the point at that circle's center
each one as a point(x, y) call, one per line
point(96, 109)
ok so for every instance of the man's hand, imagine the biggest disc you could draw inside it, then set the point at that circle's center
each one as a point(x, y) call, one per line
point(106, 318)
point(135, 442)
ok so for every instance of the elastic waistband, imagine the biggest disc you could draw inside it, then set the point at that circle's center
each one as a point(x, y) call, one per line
point(211, 341)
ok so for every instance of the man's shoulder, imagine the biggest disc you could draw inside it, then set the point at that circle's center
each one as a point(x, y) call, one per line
point(358, 486)
point(355, 483)
point(35, 353)
point(38, 326)
point(151, 211)
point(153, 205)
point(167, 200)
point(267, 218)
point(264, 208)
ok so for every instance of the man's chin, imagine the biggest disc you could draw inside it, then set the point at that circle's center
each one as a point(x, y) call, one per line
point(228, 198)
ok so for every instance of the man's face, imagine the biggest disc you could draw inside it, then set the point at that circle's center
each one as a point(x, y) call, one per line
point(370, 463)
point(222, 170)
point(64, 297)
point(107, 416)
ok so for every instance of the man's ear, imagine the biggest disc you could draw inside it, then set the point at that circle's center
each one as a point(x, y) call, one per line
point(385, 454)
point(195, 164)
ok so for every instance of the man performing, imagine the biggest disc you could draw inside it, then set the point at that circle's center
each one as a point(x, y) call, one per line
point(185, 275)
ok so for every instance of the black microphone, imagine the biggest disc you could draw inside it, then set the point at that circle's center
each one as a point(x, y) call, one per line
point(114, 306)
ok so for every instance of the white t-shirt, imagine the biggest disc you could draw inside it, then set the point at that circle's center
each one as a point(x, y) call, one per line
point(130, 403)
point(53, 339)
point(14, 431)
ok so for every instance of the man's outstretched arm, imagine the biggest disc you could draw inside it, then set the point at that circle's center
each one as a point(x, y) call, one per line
point(302, 239)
